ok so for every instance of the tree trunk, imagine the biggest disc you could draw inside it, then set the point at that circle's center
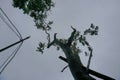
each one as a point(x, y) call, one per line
point(73, 59)
point(75, 64)
point(92, 72)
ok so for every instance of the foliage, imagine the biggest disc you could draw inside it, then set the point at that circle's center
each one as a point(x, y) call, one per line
point(93, 30)
point(41, 47)
point(37, 9)
point(77, 38)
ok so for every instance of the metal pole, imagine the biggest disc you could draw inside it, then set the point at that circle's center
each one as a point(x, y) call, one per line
point(14, 44)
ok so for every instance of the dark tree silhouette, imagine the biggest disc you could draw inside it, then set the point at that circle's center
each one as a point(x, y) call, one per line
point(38, 10)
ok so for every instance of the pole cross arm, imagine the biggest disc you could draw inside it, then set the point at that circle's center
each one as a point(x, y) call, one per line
point(14, 44)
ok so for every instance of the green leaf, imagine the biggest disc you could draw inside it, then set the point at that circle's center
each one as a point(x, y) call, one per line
point(58, 48)
point(41, 47)
point(50, 22)
point(86, 53)
point(96, 28)
point(90, 49)
point(92, 26)
point(86, 43)
point(80, 39)
point(83, 43)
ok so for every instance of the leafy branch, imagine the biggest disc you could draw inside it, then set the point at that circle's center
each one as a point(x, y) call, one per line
point(38, 10)
point(75, 38)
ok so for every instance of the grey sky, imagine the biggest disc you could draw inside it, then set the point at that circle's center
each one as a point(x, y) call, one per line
point(31, 65)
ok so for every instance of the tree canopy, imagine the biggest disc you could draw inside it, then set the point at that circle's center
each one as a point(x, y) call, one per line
point(38, 10)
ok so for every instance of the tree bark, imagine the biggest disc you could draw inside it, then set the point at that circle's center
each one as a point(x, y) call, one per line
point(73, 59)
point(92, 72)
point(74, 62)
point(75, 65)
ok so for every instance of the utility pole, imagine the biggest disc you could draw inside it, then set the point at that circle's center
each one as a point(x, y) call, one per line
point(14, 44)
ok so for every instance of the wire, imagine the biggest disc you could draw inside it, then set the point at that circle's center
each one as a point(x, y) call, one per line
point(10, 58)
point(8, 25)
point(11, 24)
point(16, 31)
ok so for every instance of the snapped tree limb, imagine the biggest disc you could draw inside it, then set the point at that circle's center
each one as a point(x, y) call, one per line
point(92, 72)
point(73, 59)
point(71, 38)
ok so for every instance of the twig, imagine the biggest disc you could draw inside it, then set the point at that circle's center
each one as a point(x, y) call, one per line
point(89, 60)
point(64, 68)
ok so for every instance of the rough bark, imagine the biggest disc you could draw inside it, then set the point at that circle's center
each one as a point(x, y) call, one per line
point(92, 72)
point(76, 67)
point(74, 61)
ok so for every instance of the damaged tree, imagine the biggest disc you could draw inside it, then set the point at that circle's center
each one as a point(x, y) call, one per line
point(72, 56)
point(71, 51)
point(38, 10)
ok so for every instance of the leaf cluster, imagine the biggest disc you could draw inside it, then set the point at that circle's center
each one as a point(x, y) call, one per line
point(82, 39)
point(41, 47)
point(93, 30)
point(77, 38)
point(37, 9)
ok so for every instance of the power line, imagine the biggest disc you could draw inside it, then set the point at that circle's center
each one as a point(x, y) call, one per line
point(16, 31)
point(8, 25)
point(11, 24)
point(10, 58)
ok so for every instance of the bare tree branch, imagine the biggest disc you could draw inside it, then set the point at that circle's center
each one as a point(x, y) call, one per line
point(71, 38)
point(89, 60)
point(51, 43)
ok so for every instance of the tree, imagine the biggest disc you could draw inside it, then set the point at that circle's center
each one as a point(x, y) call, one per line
point(70, 49)
point(38, 10)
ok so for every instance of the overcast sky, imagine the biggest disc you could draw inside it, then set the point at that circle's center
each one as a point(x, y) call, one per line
point(31, 65)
